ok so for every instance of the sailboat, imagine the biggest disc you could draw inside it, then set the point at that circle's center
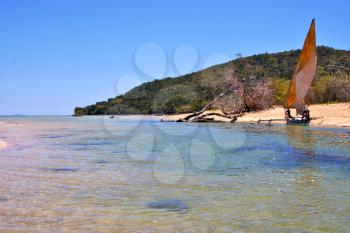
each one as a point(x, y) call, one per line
point(302, 77)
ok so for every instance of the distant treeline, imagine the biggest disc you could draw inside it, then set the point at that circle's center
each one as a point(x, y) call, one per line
point(273, 72)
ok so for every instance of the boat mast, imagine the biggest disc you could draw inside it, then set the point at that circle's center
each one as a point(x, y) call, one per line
point(304, 73)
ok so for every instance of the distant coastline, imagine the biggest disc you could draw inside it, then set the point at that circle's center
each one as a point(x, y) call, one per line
point(333, 115)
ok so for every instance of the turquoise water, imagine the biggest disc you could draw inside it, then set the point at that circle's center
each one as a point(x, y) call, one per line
point(136, 174)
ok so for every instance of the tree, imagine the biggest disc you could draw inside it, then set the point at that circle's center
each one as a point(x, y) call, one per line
point(78, 111)
point(246, 95)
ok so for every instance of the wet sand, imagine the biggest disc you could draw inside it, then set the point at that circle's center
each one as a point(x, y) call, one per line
point(328, 115)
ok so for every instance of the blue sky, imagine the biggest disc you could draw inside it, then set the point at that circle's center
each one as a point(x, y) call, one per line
point(55, 55)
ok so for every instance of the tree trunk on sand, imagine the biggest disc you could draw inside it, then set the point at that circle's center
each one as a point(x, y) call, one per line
point(206, 117)
point(201, 116)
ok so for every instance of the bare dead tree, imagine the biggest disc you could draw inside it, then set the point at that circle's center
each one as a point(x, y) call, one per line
point(251, 94)
point(338, 88)
point(242, 95)
point(260, 96)
point(187, 118)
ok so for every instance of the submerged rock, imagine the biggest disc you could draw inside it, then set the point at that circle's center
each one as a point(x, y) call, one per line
point(64, 169)
point(168, 204)
point(102, 161)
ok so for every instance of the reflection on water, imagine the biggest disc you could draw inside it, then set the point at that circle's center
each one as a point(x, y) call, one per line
point(302, 138)
point(63, 174)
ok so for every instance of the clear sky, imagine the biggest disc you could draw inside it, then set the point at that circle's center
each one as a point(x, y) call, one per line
point(58, 54)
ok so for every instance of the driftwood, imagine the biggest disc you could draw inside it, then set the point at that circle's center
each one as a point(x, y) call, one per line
point(187, 118)
point(201, 116)
point(208, 119)
point(205, 117)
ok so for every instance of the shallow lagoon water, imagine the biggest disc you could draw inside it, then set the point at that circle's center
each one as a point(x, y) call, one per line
point(135, 174)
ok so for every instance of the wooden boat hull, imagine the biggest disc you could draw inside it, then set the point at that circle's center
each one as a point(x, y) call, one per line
point(294, 121)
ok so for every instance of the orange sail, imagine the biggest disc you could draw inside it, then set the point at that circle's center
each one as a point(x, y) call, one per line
point(304, 73)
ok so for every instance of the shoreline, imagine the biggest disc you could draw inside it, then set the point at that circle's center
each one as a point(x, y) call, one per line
point(335, 115)
point(328, 115)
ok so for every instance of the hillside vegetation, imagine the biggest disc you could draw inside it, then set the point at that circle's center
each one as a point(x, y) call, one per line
point(193, 91)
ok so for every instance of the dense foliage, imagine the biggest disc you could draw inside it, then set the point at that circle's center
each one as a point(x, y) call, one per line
point(192, 91)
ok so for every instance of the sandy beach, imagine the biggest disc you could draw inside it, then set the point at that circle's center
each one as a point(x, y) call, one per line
point(328, 115)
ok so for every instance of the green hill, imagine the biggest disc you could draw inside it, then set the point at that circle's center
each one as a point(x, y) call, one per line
point(192, 91)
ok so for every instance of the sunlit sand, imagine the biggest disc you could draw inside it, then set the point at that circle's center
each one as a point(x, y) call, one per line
point(328, 115)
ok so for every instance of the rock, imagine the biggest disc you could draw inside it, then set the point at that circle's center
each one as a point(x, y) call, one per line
point(168, 204)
